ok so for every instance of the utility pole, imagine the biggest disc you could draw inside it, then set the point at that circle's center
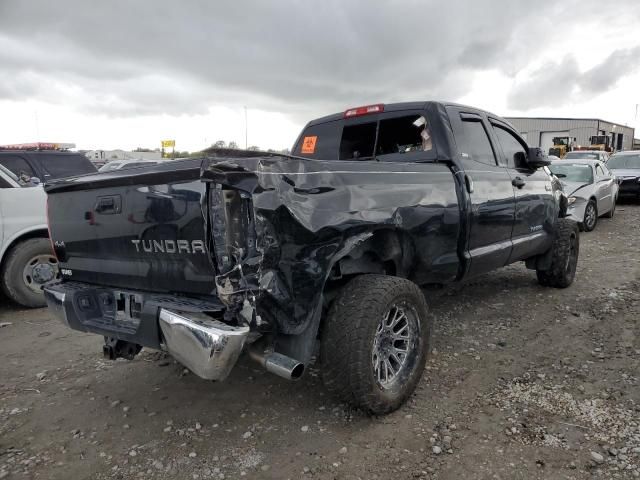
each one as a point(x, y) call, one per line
point(246, 130)
point(38, 126)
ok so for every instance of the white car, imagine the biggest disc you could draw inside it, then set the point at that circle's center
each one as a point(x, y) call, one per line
point(591, 188)
point(26, 259)
point(599, 155)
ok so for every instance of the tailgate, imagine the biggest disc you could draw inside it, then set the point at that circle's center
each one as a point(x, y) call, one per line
point(141, 229)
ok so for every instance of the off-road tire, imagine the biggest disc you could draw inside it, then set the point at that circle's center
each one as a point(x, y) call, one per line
point(12, 281)
point(612, 212)
point(564, 256)
point(347, 342)
point(585, 226)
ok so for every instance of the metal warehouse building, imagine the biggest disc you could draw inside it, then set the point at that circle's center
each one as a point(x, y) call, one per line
point(539, 132)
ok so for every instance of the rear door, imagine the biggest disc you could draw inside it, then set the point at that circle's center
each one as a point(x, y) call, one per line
point(489, 187)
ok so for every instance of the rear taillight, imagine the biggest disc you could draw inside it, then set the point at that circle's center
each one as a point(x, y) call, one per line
point(366, 110)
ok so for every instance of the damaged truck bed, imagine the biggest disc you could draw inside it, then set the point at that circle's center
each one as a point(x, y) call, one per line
point(268, 253)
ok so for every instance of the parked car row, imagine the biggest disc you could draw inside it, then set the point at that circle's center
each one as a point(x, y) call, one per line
point(594, 186)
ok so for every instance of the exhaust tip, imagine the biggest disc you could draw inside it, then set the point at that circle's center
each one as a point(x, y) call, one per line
point(297, 371)
point(278, 364)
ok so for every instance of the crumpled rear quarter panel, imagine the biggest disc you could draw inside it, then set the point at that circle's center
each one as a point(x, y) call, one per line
point(310, 213)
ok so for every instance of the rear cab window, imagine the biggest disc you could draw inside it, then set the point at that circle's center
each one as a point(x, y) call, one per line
point(402, 136)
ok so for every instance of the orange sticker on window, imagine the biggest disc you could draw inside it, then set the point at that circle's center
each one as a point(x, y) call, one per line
point(309, 144)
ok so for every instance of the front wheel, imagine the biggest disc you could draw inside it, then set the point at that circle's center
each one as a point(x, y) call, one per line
point(590, 216)
point(375, 342)
point(564, 256)
point(27, 268)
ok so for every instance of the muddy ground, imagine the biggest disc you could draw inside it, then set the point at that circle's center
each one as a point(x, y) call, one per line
point(524, 382)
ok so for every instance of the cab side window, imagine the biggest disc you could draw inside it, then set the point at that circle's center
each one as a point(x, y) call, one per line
point(17, 165)
point(476, 142)
point(510, 147)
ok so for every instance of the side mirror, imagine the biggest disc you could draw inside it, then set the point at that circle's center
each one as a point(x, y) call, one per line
point(536, 158)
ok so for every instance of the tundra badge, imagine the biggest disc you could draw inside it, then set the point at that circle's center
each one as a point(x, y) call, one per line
point(169, 246)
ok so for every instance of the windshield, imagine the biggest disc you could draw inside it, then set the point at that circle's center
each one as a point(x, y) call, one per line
point(573, 172)
point(589, 155)
point(624, 161)
point(67, 165)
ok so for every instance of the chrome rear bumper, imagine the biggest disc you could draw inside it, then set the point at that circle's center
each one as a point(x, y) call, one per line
point(207, 347)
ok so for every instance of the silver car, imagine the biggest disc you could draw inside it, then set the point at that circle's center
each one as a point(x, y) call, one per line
point(587, 155)
point(592, 190)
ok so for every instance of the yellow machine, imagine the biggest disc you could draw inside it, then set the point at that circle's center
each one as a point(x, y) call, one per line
point(561, 145)
point(600, 142)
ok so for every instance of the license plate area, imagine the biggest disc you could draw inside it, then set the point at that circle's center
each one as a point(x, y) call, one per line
point(128, 307)
point(116, 311)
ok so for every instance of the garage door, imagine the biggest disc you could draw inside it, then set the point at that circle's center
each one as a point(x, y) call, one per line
point(546, 139)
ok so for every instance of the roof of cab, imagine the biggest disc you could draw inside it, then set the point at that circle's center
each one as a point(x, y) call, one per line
point(396, 107)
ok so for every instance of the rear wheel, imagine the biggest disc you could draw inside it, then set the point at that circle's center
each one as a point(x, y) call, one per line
point(590, 216)
point(28, 267)
point(564, 256)
point(375, 342)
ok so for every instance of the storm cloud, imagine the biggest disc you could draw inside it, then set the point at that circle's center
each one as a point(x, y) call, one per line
point(560, 83)
point(132, 58)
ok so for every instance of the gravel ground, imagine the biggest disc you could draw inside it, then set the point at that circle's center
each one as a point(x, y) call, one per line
point(524, 382)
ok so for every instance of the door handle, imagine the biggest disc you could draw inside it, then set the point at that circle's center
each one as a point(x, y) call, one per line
point(108, 205)
point(518, 182)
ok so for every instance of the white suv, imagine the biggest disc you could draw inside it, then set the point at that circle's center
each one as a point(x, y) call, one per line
point(26, 259)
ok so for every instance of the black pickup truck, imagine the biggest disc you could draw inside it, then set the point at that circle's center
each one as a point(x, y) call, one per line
point(275, 254)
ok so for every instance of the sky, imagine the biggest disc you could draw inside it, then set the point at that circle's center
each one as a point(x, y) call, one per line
point(130, 73)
